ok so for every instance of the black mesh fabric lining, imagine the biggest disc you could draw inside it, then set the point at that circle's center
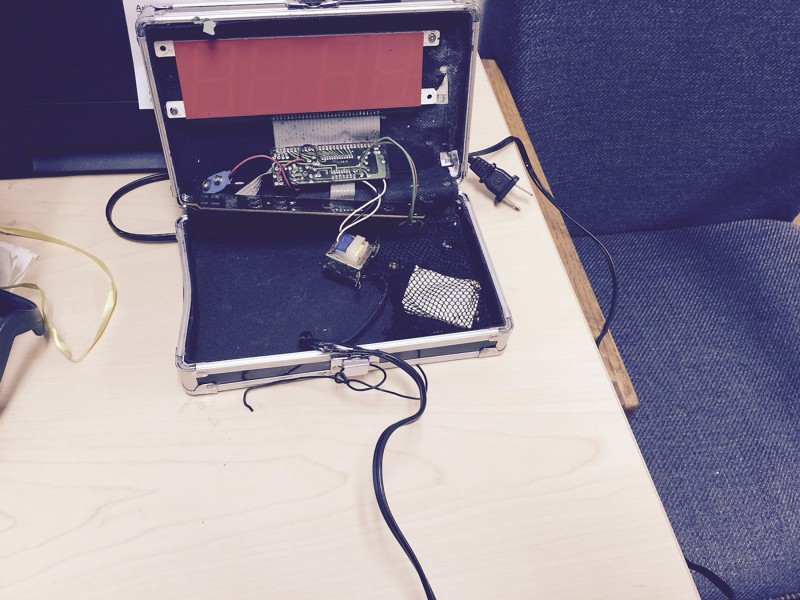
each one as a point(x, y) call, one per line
point(258, 282)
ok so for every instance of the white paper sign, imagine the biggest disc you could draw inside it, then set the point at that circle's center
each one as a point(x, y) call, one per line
point(132, 10)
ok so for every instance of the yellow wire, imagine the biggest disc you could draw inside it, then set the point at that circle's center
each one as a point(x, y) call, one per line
point(111, 300)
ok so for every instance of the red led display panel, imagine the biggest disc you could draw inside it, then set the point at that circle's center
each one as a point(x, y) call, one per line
point(271, 76)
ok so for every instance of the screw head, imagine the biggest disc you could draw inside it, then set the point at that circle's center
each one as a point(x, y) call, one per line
point(173, 111)
point(206, 184)
point(431, 37)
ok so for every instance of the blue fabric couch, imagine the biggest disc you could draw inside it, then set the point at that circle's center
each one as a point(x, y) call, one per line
point(673, 129)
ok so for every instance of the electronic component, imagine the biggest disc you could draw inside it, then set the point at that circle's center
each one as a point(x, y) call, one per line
point(301, 74)
point(499, 182)
point(330, 163)
point(216, 182)
point(348, 255)
point(219, 181)
point(326, 128)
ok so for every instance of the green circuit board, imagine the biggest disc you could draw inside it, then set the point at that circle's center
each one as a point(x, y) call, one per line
point(330, 163)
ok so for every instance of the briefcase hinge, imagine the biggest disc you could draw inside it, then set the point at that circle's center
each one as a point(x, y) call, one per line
point(312, 3)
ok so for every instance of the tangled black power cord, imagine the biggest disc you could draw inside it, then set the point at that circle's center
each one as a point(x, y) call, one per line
point(498, 181)
point(420, 380)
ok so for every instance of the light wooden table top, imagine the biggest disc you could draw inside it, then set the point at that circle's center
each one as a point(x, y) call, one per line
point(522, 480)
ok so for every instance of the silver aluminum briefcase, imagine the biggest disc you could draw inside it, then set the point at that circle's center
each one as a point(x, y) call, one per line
point(316, 148)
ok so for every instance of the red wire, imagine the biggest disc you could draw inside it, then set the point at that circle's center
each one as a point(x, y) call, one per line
point(269, 158)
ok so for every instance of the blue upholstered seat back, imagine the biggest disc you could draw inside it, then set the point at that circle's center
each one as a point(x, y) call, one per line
point(650, 117)
point(657, 114)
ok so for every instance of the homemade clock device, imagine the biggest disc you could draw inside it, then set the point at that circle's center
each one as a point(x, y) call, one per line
point(317, 151)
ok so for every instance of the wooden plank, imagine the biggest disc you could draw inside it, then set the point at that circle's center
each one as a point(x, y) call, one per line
point(566, 249)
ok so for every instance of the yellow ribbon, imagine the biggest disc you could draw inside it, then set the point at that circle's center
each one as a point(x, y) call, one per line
point(111, 301)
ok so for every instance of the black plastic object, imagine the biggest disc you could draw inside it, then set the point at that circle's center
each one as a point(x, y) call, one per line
point(17, 315)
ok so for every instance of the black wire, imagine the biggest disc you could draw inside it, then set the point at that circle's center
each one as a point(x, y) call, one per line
point(421, 381)
point(366, 387)
point(377, 465)
point(363, 386)
point(148, 238)
point(278, 382)
point(612, 305)
point(424, 376)
point(718, 581)
point(381, 303)
point(308, 336)
point(339, 377)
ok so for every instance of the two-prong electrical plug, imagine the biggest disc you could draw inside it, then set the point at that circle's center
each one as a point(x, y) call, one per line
point(498, 182)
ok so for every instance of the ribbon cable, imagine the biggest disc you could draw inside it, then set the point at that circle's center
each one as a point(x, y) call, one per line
point(111, 300)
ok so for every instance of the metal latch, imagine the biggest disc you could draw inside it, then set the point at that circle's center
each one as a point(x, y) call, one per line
point(312, 3)
point(355, 367)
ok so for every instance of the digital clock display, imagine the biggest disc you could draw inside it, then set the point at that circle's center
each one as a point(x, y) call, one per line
point(272, 76)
